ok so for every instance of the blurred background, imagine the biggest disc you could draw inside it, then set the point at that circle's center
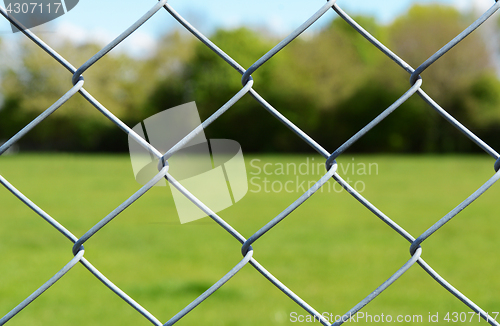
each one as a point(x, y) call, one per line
point(330, 81)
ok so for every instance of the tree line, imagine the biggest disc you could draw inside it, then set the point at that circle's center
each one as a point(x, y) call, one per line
point(330, 83)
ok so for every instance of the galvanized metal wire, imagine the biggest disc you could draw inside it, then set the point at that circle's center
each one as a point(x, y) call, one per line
point(415, 87)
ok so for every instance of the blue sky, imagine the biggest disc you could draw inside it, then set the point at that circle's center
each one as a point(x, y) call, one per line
point(103, 20)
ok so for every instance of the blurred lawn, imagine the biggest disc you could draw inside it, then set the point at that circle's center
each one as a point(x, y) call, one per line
point(331, 251)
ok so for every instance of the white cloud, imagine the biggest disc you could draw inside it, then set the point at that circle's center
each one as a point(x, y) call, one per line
point(476, 5)
point(68, 31)
point(139, 44)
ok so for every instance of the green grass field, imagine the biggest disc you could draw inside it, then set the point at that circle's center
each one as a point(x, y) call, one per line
point(331, 251)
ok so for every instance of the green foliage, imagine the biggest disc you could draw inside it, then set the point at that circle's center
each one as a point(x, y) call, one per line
point(331, 84)
point(114, 81)
point(449, 81)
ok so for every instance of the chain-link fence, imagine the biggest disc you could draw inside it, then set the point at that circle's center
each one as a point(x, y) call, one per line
point(329, 7)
